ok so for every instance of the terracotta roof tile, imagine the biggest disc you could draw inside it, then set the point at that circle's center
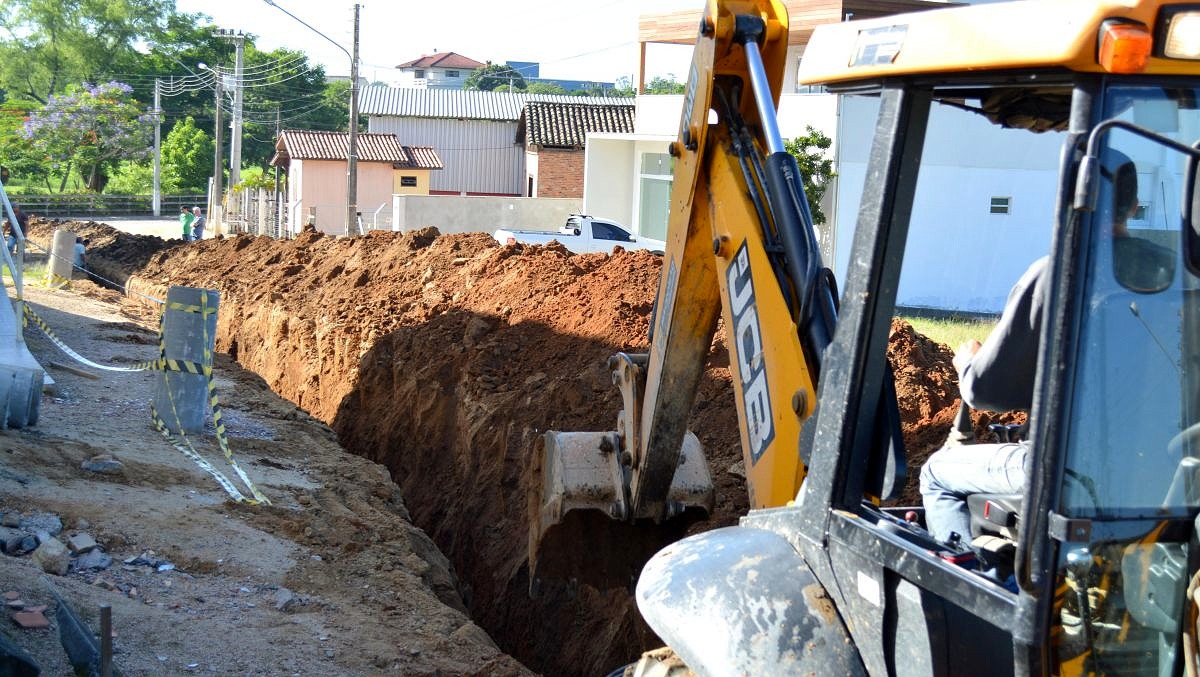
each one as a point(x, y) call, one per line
point(566, 125)
point(443, 60)
point(303, 144)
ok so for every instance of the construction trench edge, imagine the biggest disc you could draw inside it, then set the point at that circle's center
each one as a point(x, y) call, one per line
point(445, 358)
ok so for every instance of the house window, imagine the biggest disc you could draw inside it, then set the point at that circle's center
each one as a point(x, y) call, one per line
point(654, 194)
point(408, 181)
point(1000, 205)
point(419, 73)
point(451, 74)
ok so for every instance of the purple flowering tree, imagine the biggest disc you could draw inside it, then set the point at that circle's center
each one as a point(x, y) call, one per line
point(88, 130)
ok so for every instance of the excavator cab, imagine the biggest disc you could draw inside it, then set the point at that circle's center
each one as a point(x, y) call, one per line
point(1100, 551)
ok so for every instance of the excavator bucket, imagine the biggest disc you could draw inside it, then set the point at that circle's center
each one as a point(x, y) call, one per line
point(581, 529)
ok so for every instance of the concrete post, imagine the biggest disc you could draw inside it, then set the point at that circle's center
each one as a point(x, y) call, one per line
point(62, 254)
point(262, 211)
point(181, 398)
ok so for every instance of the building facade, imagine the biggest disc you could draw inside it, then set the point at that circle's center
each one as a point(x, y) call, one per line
point(555, 136)
point(316, 176)
point(474, 132)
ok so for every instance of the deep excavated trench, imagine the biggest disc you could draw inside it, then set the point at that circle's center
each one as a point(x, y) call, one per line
point(445, 358)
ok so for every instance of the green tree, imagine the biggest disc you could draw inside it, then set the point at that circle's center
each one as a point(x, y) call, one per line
point(624, 87)
point(187, 157)
point(545, 88)
point(285, 86)
point(47, 44)
point(16, 151)
point(89, 129)
point(495, 75)
point(815, 168)
point(668, 85)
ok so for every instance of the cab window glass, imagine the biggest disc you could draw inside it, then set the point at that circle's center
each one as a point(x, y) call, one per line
point(1135, 390)
point(1132, 472)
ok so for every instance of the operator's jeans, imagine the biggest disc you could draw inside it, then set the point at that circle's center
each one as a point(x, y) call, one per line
point(953, 473)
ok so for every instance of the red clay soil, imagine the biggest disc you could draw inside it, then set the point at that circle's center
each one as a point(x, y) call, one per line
point(446, 358)
point(927, 395)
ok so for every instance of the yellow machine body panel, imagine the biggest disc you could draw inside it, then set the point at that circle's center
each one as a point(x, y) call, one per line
point(710, 214)
point(1034, 34)
point(765, 356)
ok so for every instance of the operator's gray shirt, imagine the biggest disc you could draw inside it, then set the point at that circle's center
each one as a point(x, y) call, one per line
point(1000, 376)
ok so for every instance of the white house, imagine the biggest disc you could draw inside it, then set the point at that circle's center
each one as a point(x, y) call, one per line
point(447, 70)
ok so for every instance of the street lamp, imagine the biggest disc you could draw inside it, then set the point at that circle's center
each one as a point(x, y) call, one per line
point(352, 150)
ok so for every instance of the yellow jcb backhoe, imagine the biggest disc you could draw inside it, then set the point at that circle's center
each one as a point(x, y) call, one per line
point(979, 127)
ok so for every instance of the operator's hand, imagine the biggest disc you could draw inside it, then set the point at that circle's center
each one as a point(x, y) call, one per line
point(966, 351)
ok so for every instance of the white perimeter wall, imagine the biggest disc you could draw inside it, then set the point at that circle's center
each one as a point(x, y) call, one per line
point(450, 214)
point(959, 256)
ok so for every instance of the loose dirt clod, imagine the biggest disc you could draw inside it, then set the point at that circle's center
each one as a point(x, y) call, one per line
point(447, 357)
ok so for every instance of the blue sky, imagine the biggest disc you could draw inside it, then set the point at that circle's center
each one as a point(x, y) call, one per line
point(594, 40)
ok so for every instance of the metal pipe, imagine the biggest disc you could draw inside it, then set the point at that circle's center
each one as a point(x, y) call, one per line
point(762, 97)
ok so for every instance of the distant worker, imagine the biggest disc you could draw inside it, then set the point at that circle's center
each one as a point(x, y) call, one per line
point(80, 251)
point(185, 219)
point(10, 236)
point(197, 224)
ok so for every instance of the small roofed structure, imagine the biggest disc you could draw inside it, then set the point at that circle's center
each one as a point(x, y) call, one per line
point(554, 135)
point(445, 70)
point(316, 164)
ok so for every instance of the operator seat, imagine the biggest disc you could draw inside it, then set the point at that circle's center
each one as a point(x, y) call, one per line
point(995, 514)
point(994, 522)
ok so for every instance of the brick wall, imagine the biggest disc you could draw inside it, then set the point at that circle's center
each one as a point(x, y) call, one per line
point(560, 173)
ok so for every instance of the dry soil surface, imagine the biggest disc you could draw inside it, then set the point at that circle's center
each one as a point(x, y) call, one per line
point(333, 578)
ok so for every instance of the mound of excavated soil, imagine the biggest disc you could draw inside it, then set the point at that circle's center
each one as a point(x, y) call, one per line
point(111, 253)
point(927, 395)
point(446, 358)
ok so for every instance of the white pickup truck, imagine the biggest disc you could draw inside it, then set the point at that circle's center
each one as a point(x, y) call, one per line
point(582, 234)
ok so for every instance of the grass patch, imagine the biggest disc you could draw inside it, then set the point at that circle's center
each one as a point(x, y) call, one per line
point(952, 331)
point(34, 272)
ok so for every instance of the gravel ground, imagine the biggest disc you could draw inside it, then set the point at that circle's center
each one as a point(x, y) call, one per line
point(330, 579)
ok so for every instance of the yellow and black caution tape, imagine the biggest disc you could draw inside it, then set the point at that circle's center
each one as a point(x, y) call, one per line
point(29, 315)
point(164, 364)
point(215, 405)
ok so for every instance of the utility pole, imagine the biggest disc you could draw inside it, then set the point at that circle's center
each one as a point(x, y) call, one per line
point(156, 197)
point(278, 200)
point(352, 142)
point(235, 140)
point(214, 212)
point(352, 154)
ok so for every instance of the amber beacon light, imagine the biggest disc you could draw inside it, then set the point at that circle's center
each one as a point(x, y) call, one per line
point(1124, 47)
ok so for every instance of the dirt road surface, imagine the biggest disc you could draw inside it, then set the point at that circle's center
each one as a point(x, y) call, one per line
point(333, 578)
